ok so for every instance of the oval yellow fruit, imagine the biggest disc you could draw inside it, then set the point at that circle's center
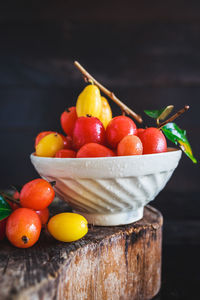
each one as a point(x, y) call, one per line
point(106, 112)
point(89, 102)
point(67, 227)
point(49, 145)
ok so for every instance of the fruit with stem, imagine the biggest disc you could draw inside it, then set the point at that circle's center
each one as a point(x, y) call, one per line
point(88, 130)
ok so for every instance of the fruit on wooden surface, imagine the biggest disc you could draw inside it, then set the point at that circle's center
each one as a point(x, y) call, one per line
point(23, 228)
point(88, 130)
point(130, 145)
point(118, 128)
point(68, 120)
point(37, 194)
point(153, 141)
point(43, 214)
point(68, 227)
point(64, 153)
point(89, 102)
point(94, 150)
point(106, 112)
point(49, 145)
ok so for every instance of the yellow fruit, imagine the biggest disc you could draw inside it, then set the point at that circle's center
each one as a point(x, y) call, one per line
point(106, 112)
point(68, 227)
point(89, 102)
point(49, 145)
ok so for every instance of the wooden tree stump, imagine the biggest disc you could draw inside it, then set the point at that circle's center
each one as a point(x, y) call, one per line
point(122, 262)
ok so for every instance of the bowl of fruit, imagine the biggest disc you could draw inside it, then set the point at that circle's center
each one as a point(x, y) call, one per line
point(105, 167)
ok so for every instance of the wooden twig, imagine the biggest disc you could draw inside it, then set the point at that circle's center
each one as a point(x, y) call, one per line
point(10, 198)
point(176, 115)
point(110, 94)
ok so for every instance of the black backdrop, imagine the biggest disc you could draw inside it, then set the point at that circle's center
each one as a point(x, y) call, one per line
point(147, 52)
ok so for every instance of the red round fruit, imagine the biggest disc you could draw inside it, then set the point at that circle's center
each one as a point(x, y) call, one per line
point(23, 228)
point(153, 141)
point(94, 150)
point(139, 131)
point(88, 130)
point(37, 194)
point(3, 228)
point(43, 214)
point(68, 120)
point(67, 140)
point(130, 145)
point(64, 153)
point(118, 128)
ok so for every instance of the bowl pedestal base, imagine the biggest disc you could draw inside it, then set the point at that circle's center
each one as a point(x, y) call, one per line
point(114, 219)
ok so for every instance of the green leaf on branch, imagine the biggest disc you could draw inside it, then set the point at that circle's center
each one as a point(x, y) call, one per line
point(154, 113)
point(178, 137)
point(160, 114)
point(5, 209)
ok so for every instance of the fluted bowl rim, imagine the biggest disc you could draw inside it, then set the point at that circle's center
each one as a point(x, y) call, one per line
point(107, 167)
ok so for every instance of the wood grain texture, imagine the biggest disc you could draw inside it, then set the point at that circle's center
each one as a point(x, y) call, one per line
point(121, 262)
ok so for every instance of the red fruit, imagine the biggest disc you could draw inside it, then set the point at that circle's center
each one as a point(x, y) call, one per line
point(40, 136)
point(153, 141)
point(129, 145)
point(68, 120)
point(88, 130)
point(23, 228)
point(3, 228)
point(67, 140)
point(37, 194)
point(94, 150)
point(64, 153)
point(118, 128)
point(43, 215)
point(139, 131)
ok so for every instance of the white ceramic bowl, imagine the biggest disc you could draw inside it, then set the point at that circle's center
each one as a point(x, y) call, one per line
point(109, 190)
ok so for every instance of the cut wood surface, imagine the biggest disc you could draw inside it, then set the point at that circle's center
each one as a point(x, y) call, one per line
point(122, 262)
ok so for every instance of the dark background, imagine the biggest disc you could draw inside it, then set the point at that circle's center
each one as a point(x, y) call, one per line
point(148, 53)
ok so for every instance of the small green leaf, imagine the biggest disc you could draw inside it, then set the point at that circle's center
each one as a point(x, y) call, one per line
point(160, 114)
point(5, 209)
point(154, 113)
point(178, 137)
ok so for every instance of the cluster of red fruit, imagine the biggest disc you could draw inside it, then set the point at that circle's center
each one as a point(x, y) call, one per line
point(87, 137)
point(23, 226)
